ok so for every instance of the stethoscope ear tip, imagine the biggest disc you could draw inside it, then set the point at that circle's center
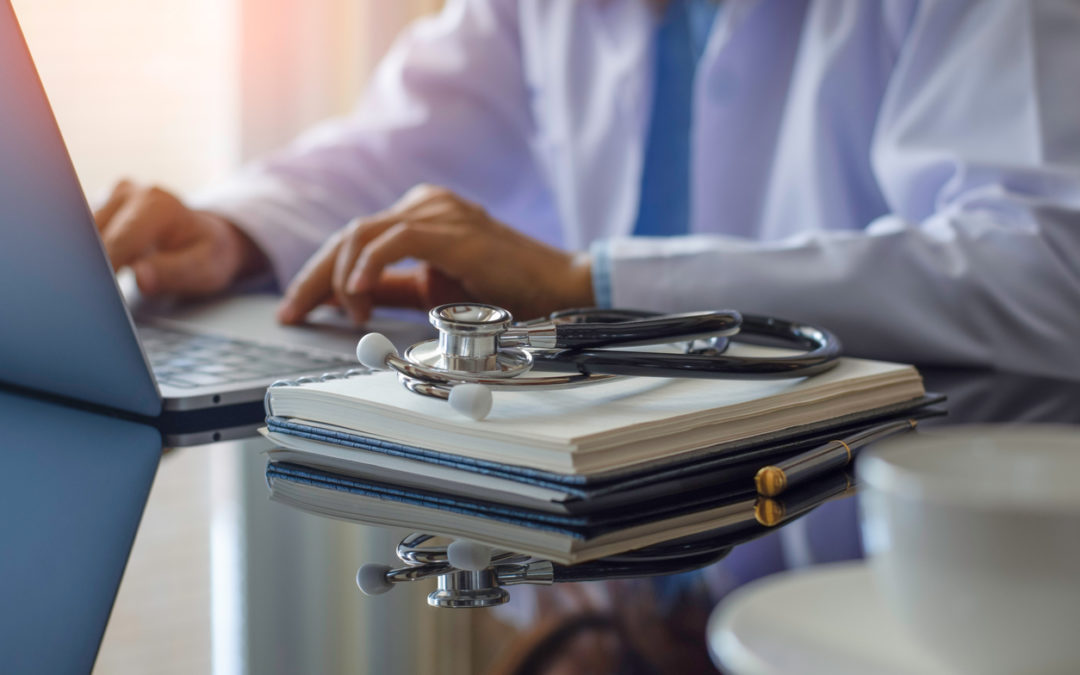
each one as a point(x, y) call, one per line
point(374, 349)
point(371, 579)
point(468, 555)
point(471, 400)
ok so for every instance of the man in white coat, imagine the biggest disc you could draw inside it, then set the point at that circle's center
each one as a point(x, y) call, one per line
point(905, 172)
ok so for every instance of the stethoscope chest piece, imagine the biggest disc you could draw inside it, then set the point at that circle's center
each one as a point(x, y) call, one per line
point(470, 343)
point(468, 589)
point(503, 363)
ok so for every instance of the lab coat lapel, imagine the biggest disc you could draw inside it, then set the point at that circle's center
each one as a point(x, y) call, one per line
point(625, 32)
point(594, 89)
point(739, 100)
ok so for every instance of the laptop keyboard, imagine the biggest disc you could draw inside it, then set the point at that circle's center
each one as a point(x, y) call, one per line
point(188, 360)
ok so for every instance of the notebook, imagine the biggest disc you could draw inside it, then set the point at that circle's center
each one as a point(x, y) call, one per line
point(619, 425)
point(733, 516)
point(354, 455)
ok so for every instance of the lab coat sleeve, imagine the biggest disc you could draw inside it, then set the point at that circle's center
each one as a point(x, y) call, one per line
point(446, 106)
point(980, 132)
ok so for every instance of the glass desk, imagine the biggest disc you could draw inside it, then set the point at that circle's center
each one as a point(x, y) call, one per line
point(223, 580)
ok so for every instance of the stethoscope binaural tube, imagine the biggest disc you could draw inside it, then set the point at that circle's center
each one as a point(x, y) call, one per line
point(480, 348)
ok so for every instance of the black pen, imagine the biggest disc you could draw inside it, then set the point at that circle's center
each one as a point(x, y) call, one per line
point(773, 511)
point(836, 454)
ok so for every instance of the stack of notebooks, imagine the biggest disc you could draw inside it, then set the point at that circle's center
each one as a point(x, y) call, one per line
point(569, 474)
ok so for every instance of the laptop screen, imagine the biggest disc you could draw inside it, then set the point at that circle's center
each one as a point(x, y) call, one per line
point(65, 328)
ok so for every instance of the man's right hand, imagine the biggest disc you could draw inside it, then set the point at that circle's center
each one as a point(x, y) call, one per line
point(172, 248)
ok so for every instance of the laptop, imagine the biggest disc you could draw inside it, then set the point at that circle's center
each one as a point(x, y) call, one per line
point(65, 328)
point(75, 491)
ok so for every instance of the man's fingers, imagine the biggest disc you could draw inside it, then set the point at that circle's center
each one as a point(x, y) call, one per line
point(404, 240)
point(119, 195)
point(314, 283)
point(438, 244)
point(137, 225)
point(191, 270)
point(421, 204)
point(311, 285)
point(419, 287)
point(400, 288)
point(347, 253)
point(359, 233)
point(437, 288)
point(428, 205)
point(330, 273)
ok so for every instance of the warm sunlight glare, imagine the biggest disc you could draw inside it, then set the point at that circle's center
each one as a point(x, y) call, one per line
point(140, 88)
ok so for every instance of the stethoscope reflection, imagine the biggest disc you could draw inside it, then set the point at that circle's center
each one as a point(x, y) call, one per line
point(473, 575)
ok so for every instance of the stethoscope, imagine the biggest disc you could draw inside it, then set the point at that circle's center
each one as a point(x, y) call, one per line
point(480, 348)
point(470, 574)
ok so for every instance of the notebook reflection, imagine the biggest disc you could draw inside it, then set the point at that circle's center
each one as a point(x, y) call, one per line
point(474, 549)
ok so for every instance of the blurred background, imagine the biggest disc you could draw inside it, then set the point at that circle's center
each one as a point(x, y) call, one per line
point(179, 93)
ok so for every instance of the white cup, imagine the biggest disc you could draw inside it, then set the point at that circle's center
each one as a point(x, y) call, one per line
point(974, 538)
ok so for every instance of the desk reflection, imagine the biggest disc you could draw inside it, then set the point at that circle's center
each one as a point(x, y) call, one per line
point(657, 624)
point(283, 593)
point(74, 490)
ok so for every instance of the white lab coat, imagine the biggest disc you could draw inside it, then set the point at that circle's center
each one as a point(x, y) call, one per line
point(905, 172)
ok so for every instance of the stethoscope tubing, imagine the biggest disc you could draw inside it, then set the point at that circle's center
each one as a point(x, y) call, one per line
point(605, 570)
point(822, 345)
point(642, 328)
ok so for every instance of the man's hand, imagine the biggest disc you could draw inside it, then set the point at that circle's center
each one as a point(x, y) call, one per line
point(464, 255)
point(171, 248)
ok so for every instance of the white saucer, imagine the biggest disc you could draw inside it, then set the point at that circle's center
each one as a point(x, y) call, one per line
point(828, 620)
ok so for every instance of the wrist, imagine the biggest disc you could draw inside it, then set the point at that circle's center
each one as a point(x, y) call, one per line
point(248, 259)
point(600, 255)
point(579, 285)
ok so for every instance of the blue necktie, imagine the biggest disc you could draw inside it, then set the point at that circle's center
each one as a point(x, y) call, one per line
point(664, 209)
